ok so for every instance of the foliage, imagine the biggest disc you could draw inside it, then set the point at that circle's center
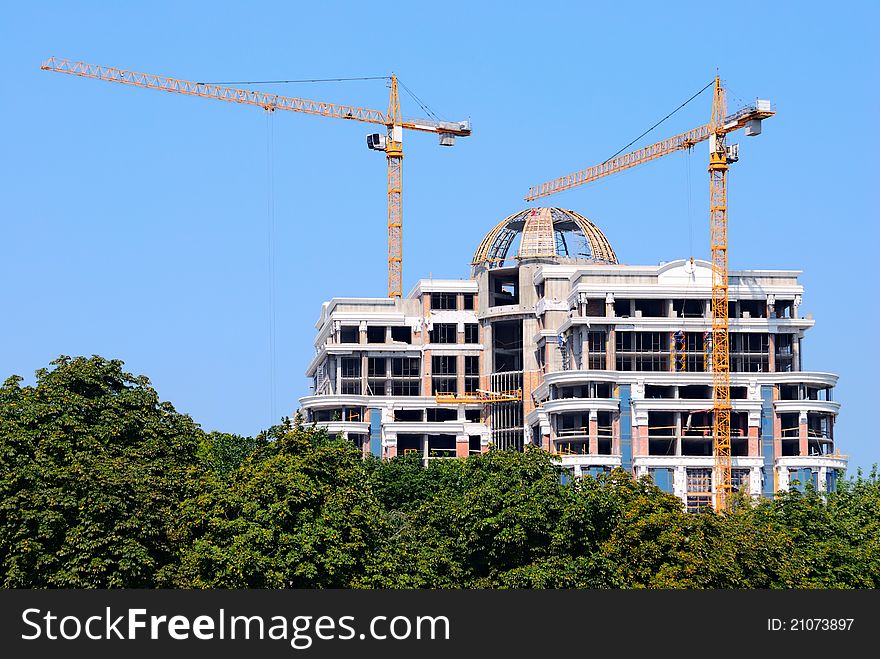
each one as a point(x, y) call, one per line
point(92, 465)
point(224, 452)
point(103, 485)
point(297, 513)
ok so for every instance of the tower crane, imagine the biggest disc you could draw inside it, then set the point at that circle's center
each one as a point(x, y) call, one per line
point(391, 143)
point(721, 155)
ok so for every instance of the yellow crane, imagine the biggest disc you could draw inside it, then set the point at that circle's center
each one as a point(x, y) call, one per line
point(391, 143)
point(720, 156)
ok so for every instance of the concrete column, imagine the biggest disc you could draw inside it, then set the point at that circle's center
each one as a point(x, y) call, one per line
point(803, 443)
point(640, 440)
point(362, 332)
point(755, 481)
point(585, 350)
point(611, 339)
point(823, 478)
point(771, 348)
point(594, 432)
point(615, 434)
point(531, 381)
point(391, 446)
point(677, 432)
point(754, 442)
point(679, 483)
point(462, 442)
point(363, 372)
point(426, 373)
point(795, 353)
point(782, 482)
point(488, 362)
point(425, 448)
point(337, 385)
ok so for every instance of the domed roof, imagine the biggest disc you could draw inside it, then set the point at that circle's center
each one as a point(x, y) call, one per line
point(549, 234)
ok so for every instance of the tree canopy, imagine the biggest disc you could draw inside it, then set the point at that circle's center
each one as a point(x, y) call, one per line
point(104, 485)
point(92, 469)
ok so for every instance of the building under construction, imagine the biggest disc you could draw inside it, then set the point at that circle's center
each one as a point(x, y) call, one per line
point(552, 342)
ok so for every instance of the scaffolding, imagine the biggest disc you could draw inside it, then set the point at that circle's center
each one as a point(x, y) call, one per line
point(679, 351)
point(506, 417)
point(480, 396)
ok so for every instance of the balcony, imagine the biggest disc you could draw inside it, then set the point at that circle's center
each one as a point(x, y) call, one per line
point(345, 427)
point(612, 461)
point(696, 461)
point(809, 405)
point(333, 400)
point(808, 461)
point(581, 405)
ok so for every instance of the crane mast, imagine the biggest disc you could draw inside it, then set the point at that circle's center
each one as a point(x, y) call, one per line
point(718, 165)
point(394, 155)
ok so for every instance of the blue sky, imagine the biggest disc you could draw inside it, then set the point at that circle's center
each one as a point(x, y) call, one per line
point(135, 223)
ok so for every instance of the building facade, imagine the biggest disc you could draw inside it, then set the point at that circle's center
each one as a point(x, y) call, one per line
point(552, 342)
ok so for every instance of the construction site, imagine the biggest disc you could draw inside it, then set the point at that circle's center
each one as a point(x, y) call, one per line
point(602, 364)
point(684, 371)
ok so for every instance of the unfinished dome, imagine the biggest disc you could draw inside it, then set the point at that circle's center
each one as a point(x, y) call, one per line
point(553, 234)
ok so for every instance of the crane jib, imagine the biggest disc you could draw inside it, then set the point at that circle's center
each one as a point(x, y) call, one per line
point(447, 131)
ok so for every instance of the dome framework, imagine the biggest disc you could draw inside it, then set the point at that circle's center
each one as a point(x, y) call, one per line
point(545, 233)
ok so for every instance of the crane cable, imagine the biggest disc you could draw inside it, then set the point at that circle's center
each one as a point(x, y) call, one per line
point(270, 220)
point(421, 104)
point(622, 149)
point(419, 101)
point(286, 82)
point(690, 222)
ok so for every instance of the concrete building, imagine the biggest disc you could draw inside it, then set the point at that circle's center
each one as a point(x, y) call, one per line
point(553, 342)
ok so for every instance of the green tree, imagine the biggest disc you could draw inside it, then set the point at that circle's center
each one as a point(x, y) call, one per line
point(92, 465)
point(225, 452)
point(103, 485)
point(835, 537)
point(298, 513)
point(501, 519)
